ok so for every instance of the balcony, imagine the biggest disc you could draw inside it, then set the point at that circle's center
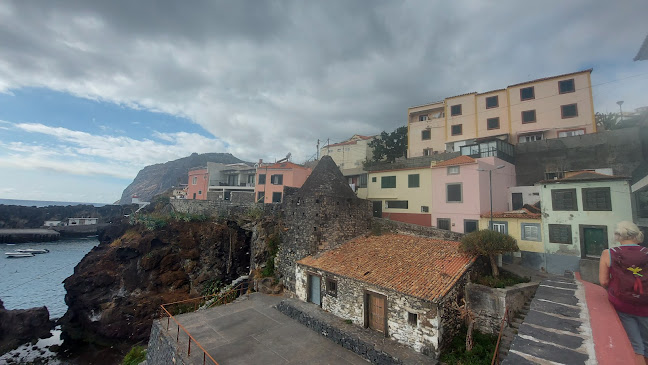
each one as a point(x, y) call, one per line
point(495, 148)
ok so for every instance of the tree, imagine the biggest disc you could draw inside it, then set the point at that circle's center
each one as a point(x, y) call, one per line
point(488, 243)
point(390, 146)
point(609, 121)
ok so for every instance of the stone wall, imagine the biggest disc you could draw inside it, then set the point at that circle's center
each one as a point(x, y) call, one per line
point(219, 208)
point(163, 349)
point(386, 225)
point(315, 223)
point(348, 303)
point(489, 304)
point(622, 150)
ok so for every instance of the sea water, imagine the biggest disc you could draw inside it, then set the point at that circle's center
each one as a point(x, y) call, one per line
point(38, 281)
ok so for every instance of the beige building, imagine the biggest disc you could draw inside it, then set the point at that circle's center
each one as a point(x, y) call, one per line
point(551, 107)
point(349, 154)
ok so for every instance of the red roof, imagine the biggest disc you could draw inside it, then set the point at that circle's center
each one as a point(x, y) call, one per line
point(460, 160)
point(349, 141)
point(417, 266)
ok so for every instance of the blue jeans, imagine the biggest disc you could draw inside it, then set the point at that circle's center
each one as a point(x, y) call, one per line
point(637, 329)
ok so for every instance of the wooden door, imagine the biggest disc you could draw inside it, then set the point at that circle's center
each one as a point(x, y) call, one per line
point(594, 240)
point(376, 313)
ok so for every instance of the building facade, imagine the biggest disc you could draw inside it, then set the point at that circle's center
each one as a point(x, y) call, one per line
point(272, 178)
point(552, 107)
point(349, 154)
point(198, 184)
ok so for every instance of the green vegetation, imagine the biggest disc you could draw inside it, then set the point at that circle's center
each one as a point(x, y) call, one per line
point(505, 279)
point(389, 146)
point(490, 244)
point(481, 353)
point(348, 321)
point(211, 286)
point(159, 221)
point(255, 212)
point(272, 241)
point(135, 356)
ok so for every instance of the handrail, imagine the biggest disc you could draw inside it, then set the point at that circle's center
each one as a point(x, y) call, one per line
point(499, 337)
point(227, 294)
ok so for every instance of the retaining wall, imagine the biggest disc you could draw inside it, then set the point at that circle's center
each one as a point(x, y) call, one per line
point(162, 348)
point(489, 304)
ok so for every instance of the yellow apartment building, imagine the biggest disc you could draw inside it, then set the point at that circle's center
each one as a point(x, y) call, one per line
point(551, 107)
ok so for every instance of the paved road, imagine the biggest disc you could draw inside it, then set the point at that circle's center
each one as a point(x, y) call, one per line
point(253, 332)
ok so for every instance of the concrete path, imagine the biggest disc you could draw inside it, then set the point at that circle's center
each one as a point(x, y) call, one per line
point(253, 332)
point(557, 328)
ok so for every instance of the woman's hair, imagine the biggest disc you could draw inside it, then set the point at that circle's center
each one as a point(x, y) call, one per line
point(629, 231)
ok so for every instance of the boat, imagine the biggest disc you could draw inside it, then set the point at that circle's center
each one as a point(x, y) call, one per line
point(18, 254)
point(32, 250)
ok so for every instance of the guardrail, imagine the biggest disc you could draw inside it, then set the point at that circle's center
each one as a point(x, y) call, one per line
point(505, 319)
point(168, 310)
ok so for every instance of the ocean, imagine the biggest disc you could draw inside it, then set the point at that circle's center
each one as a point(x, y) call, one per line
point(44, 203)
point(38, 281)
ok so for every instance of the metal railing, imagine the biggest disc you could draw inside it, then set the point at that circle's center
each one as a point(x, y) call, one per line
point(506, 319)
point(168, 310)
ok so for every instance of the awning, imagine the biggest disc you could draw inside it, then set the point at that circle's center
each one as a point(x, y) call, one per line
point(502, 137)
point(535, 131)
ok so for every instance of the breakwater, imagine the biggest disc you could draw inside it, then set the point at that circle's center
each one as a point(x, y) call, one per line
point(28, 235)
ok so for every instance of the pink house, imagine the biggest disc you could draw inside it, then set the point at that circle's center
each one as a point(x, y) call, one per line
point(271, 179)
point(460, 191)
point(198, 184)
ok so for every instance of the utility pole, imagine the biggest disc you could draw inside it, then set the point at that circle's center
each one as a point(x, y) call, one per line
point(318, 149)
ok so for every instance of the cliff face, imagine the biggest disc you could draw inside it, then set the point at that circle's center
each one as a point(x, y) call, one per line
point(16, 216)
point(116, 290)
point(155, 179)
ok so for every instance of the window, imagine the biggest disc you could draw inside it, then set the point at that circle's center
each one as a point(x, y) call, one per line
point(261, 179)
point(443, 223)
point(388, 182)
point(260, 196)
point(564, 199)
point(470, 226)
point(501, 227)
point(250, 179)
point(413, 181)
point(331, 287)
point(199, 192)
point(566, 86)
point(453, 170)
point(529, 116)
point(427, 152)
point(453, 193)
point(596, 199)
point(423, 118)
point(362, 181)
point(455, 110)
point(194, 181)
point(492, 123)
point(641, 197)
point(396, 204)
point(276, 179)
point(276, 197)
point(373, 179)
point(456, 130)
point(527, 93)
point(554, 175)
point(492, 102)
point(426, 134)
point(569, 111)
point(412, 318)
point(530, 231)
point(576, 132)
point(530, 138)
point(232, 180)
point(560, 233)
point(425, 209)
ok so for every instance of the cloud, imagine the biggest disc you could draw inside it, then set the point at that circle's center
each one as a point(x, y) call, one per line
point(271, 77)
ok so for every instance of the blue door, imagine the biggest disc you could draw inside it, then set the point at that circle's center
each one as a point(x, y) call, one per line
point(314, 290)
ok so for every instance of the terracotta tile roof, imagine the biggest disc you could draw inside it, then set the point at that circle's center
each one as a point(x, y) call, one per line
point(522, 213)
point(417, 266)
point(461, 160)
point(348, 142)
point(586, 176)
point(552, 77)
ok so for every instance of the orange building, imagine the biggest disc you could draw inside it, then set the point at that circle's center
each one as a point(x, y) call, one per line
point(271, 179)
point(198, 184)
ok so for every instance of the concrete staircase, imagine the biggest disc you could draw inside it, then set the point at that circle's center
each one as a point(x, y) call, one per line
point(511, 330)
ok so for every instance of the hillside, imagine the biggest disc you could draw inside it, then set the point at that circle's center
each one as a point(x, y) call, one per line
point(155, 179)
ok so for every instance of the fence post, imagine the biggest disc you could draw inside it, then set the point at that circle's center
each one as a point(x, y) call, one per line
point(189, 351)
point(178, 335)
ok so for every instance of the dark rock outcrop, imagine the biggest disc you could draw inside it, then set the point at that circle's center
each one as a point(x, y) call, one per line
point(19, 326)
point(155, 179)
point(17, 216)
point(116, 290)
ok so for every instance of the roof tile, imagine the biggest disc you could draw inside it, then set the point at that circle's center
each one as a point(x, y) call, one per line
point(461, 160)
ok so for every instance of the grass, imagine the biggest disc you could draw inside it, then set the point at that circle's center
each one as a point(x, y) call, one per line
point(481, 354)
point(505, 279)
point(135, 356)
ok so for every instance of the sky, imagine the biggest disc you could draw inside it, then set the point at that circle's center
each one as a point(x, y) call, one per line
point(92, 91)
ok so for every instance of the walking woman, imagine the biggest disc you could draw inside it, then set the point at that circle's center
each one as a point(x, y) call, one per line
point(623, 271)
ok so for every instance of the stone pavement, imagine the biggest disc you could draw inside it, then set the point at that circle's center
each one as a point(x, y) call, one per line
point(252, 331)
point(557, 329)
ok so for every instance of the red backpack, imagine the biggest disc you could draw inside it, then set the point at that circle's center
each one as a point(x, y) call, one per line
point(629, 271)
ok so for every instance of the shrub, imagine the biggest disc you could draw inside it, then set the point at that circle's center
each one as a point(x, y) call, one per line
point(488, 243)
point(135, 356)
point(505, 279)
point(481, 353)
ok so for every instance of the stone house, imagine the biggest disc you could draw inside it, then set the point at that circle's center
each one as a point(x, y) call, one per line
point(320, 215)
point(579, 214)
point(403, 286)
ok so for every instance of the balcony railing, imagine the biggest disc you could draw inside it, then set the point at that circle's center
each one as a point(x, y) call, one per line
point(496, 148)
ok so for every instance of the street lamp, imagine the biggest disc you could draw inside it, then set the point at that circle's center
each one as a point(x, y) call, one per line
point(620, 102)
point(490, 186)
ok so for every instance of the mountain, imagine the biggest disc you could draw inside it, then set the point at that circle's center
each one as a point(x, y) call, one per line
point(155, 179)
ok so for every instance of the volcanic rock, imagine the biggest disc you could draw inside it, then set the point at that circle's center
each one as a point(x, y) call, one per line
point(19, 326)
